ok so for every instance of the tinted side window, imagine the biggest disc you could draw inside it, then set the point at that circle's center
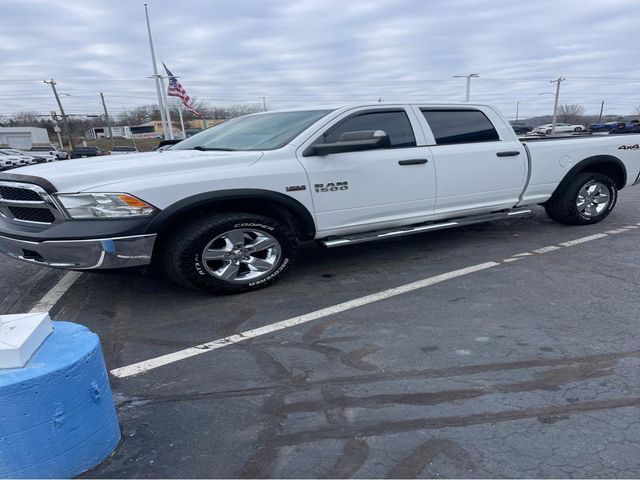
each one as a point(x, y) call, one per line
point(395, 123)
point(460, 126)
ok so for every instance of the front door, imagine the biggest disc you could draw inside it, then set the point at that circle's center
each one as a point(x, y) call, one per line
point(372, 189)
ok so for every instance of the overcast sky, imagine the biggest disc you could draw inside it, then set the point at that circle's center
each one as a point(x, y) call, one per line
point(309, 52)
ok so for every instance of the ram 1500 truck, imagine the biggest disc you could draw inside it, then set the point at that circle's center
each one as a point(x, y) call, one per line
point(224, 210)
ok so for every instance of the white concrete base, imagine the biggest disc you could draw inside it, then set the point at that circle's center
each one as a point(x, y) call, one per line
point(20, 337)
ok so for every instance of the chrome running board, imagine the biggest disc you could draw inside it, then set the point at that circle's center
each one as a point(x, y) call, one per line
point(332, 242)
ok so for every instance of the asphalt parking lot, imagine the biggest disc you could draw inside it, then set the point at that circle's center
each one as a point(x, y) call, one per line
point(527, 367)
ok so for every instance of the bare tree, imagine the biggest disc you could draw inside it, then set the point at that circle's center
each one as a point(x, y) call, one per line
point(570, 113)
point(25, 118)
point(636, 112)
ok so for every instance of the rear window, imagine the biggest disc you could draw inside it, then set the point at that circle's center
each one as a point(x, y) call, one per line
point(460, 126)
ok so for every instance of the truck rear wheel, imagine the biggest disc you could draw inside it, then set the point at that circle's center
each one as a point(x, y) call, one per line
point(588, 198)
point(228, 253)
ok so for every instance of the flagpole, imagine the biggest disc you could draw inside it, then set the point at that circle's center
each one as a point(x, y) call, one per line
point(166, 106)
point(155, 75)
point(184, 133)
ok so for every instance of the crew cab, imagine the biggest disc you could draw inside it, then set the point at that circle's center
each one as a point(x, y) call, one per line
point(224, 210)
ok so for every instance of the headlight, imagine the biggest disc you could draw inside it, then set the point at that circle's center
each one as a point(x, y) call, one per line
point(104, 205)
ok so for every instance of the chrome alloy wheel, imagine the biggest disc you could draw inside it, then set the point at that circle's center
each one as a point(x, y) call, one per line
point(241, 255)
point(593, 198)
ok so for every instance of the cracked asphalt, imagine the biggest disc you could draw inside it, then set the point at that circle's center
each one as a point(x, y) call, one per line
point(527, 369)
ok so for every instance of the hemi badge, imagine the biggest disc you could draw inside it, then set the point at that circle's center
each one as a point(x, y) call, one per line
point(296, 188)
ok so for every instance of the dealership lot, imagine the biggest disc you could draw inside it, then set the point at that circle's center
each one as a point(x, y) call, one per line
point(524, 366)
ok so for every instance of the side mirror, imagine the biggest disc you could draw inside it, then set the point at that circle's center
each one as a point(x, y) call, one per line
point(352, 142)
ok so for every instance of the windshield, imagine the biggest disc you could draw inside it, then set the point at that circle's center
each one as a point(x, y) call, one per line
point(265, 131)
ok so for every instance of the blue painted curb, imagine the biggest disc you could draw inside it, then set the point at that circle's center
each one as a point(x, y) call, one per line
point(57, 417)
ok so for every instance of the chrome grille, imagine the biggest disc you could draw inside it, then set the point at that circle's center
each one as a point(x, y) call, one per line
point(28, 203)
point(13, 193)
point(30, 214)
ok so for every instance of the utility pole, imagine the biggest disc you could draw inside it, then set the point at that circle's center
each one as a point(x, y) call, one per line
point(106, 116)
point(53, 84)
point(558, 81)
point(56, 128)
point(468, 77)
point(156, 76)
point(264, 104)
point(517, 109)
point(601, 110)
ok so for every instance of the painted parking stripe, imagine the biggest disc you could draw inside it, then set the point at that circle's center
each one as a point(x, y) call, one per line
point(550, 248)
point(578, 241)
point(46, 303)
point(512, 259)
point(153, 363)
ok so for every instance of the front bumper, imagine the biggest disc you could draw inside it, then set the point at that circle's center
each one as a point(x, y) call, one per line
point(89, 254)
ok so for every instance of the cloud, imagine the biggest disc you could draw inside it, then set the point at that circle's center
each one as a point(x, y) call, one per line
point(305, 52)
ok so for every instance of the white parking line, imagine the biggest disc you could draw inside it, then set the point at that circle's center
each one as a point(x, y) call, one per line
point(614, 232)
point(152, 363)
point(583, 240)
point(548, 249)
point(50, 298)
point(512, 259)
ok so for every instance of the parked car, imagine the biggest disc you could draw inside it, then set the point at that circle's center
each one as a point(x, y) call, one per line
point(602, 126)
point(39, 158)
point(7, 162)
point(60, 154)
point(560, 128)
point(11, 161)
point(224, 210)
point(123, 150)
point(166, 144)
point(626, 128)
point(23, 157)
point(82, 152)
point(521, 128)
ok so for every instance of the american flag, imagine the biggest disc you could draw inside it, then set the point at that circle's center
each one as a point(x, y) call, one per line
point(177, 90)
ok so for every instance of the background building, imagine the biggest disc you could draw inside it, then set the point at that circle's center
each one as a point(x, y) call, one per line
point(23, 137)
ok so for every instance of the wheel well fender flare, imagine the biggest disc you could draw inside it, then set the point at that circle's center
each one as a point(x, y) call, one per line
point(597, 163)
point(290, 208)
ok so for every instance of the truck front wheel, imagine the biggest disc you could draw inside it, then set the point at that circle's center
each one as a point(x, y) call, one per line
point(228, 253)
point(588, 198)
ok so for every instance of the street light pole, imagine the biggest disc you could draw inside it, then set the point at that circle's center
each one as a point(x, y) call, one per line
point(106, 115)
point(517, 109)
point(558, 81)
point(53, 84)
point(468, 77)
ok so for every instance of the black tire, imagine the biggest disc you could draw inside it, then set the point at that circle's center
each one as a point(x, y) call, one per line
point(548, 132)
point(181, 252)
point(563, 208)
point(577, 129)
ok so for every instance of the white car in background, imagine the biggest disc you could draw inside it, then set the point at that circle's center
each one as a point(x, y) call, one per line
point(20, 159)
point(50, 150)
point(39, 158)
point(560, 128)
point(7, 162)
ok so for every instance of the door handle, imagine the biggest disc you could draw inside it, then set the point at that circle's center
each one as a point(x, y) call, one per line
point(414, 161)
point(513, 153)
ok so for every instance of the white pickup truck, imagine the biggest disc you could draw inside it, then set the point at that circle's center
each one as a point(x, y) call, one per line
point(224, 210)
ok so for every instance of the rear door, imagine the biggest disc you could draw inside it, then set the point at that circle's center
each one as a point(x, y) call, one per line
point(374, 188)
point(480, 163)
